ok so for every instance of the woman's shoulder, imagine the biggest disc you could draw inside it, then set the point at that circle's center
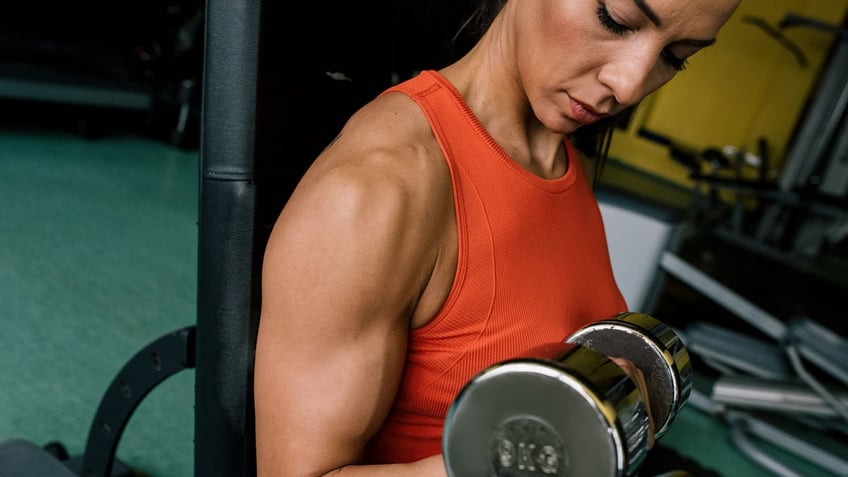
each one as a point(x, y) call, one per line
point(389, 120)
point(391, 136)
point(383, 174)
point(384, 158)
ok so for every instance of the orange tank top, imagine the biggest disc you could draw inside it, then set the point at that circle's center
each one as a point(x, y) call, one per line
point(533, 266)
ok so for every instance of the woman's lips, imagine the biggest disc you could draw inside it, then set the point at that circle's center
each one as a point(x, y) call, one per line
point(583, 114)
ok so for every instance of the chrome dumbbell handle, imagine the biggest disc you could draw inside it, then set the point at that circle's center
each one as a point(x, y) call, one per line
point(656, 349)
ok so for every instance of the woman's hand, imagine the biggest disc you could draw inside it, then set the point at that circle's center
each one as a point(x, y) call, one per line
point(638, 377)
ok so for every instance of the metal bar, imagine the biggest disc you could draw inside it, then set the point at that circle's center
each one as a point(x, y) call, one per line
point(722, 295)
point(788, 442)
point(771, 395)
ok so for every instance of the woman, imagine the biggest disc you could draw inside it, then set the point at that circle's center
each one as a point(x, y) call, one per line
point(450, 226)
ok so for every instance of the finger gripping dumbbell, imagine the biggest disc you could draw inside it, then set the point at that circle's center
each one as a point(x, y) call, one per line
point(567, 409)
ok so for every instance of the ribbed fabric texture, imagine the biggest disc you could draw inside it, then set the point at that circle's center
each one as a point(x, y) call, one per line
point(533, 266)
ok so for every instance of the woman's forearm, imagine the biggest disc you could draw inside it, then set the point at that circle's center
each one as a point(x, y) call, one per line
point(429, 467)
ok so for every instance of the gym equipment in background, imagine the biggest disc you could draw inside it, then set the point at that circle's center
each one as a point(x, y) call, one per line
point(94, 62)
point(791, 376)
point(797, 215)
point(770, 384)
point(220, 345)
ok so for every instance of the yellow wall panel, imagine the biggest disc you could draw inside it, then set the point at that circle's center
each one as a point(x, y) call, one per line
point(746, 87)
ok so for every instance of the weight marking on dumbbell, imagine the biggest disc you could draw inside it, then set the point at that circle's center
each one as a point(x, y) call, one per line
point(525, 446)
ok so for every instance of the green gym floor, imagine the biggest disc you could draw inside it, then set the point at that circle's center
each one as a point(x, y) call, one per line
point(98, 258)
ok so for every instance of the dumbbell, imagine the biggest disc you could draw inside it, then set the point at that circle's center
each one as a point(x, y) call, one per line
point(567, 409)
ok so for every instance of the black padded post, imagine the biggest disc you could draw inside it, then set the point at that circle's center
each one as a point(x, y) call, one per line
point(227, 307)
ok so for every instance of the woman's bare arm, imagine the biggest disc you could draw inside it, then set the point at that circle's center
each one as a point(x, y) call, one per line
point(343, 271)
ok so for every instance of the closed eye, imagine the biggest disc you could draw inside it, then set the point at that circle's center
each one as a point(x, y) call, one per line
point(677, 63)
point(604, 17)
point(607, 22)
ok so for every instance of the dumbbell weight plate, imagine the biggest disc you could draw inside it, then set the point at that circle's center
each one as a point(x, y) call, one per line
point(655, 349)
point(570, 412)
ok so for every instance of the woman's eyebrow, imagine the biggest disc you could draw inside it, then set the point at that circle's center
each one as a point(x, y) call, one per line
point(656, 21)
point(699, 43)
point(648, 12)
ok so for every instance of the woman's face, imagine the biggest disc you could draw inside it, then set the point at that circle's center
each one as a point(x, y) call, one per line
point(581, 60)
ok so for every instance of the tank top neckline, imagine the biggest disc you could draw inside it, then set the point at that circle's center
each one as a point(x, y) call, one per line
point(555, 185)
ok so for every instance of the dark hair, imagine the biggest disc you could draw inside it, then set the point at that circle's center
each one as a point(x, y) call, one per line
point(481, 18)
point(593, 140)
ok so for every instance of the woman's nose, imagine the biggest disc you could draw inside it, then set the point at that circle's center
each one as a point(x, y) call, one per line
point(630, 75)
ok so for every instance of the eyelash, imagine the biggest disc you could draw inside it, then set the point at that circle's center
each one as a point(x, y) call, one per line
point(606, 20)
point(678, 64)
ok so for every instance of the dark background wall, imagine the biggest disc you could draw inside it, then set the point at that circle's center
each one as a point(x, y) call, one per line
point(155, 47)
point(373, 44)
point(58, 60)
